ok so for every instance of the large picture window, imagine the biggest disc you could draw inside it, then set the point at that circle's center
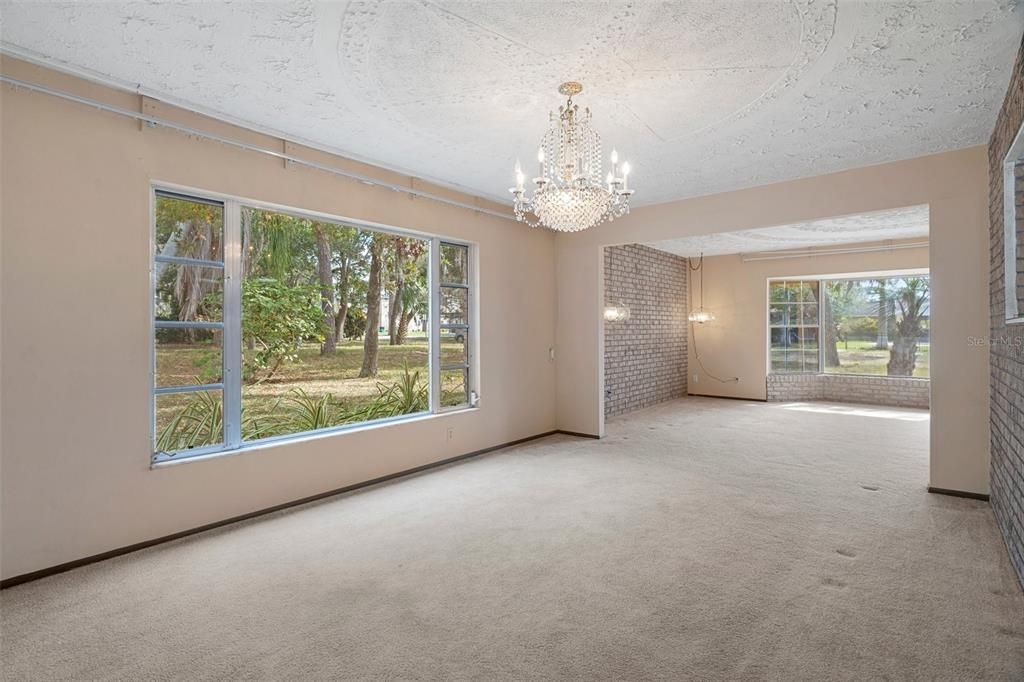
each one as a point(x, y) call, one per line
point(271, 323)
point(877, 326)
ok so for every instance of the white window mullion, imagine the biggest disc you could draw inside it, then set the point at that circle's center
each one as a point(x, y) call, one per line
point(434, 286)
point(473, 337)
point(232, 324)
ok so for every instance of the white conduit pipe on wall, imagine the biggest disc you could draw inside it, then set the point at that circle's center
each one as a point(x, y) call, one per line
point(779, 255)
point(171, 125)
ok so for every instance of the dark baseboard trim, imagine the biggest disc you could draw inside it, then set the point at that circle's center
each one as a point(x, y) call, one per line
point(726, 397)
point(958, 493)
point(577, 434)
point(85, 561)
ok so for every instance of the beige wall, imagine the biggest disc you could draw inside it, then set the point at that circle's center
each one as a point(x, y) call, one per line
point(76, 329)
point(735, 344)
point(953, 184)
point(74, 444)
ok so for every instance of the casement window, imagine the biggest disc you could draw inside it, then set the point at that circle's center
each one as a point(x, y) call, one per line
point(1013, 230)
point(864, 326)
point(793, 326)
point(272, 323)
point(454, 328)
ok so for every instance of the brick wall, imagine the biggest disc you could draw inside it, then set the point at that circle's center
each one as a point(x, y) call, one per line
point(644, 356)
point(844, 388)
point(1006, 343)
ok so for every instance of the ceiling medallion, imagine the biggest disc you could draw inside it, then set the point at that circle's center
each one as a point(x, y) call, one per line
point(570, 193)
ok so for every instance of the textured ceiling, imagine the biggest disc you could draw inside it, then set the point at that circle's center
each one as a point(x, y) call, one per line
point(700, 96)
point(901, 223)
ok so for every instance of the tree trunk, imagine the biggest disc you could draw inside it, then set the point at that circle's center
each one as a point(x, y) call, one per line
point(395, 307)
point(830, 335)
point(339, 321)
point(371, 338)
point(323, 258)
point(343, 288)
point(902, 357)
point(403, 324)
point(882, 343)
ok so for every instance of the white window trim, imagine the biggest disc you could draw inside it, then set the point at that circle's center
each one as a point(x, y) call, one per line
point(232, 381)
point(1012, 313)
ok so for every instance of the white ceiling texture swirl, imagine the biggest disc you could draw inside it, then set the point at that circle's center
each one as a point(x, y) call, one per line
point(700, 96)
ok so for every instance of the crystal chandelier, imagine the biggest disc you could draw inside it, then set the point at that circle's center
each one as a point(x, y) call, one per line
point(570, 193)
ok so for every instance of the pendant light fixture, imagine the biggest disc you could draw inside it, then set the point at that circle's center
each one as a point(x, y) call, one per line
point(700, 315)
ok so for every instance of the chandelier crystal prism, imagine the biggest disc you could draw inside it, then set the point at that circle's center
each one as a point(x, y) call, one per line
point(570, 193)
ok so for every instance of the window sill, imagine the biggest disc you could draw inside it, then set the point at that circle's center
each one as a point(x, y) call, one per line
point(277, 441)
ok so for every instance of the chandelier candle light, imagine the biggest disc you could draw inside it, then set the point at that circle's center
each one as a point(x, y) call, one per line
point(570, 193)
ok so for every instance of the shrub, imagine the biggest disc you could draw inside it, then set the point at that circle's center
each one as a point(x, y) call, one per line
point(276, 319)
point(302, 412)
point(201, 421)
point(355, 323)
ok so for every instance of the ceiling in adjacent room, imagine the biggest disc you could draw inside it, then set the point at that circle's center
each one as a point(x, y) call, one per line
point(878, 226)
point(701, 96)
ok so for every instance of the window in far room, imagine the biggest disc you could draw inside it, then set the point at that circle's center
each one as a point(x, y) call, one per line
point(793, 326)
point(876, 326)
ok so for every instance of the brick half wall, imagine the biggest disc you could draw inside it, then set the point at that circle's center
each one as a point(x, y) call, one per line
point(644, 356)
point(845, 388)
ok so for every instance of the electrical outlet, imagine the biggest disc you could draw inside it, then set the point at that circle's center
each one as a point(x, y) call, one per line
point(451, 433)
point(696, 378)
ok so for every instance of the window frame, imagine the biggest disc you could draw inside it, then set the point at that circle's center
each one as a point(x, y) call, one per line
point(770, 326)
point(821, 280)
point(231, 350)
point(1013, 312)
point(469, 328)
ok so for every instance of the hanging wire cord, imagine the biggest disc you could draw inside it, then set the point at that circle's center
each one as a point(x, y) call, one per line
point(693, 328)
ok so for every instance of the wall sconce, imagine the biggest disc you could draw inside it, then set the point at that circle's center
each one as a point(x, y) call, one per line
point(616, 313)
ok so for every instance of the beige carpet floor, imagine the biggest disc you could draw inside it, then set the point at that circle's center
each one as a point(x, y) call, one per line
point(702, 539)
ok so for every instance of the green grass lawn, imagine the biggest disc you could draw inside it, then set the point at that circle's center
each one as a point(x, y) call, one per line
point(861, 357)
point(312, 373)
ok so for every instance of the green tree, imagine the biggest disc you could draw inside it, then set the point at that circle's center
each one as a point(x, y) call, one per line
point(350, 249)
point(883, 313)
point(277, 319)
point(371, 339)
point(837, 300)
point(405, 270)
point(414, 303)
point(188, 229)
point(910, 301)
point(325, 274)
